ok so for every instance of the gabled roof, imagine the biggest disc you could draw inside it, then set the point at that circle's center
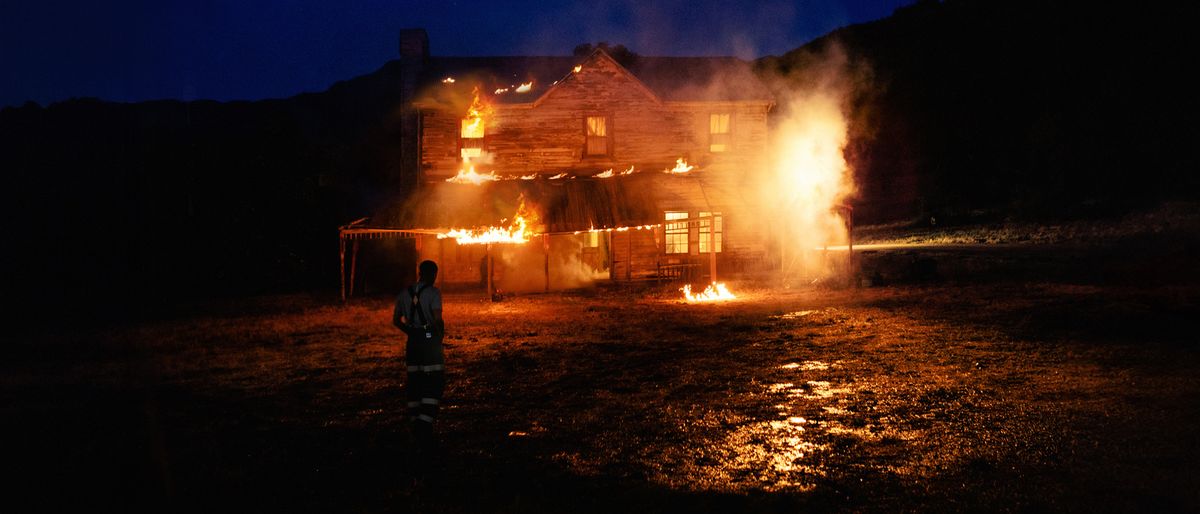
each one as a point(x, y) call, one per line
point(674, 79)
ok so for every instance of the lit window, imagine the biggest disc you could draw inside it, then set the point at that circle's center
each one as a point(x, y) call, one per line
point(718, 132)
point(471, 137)
point(597, 135)
point(592, 240)
point(710, 231)
point(676, 233)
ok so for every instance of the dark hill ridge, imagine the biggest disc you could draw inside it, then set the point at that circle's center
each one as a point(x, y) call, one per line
point(1034, 109)
point(1007, 108)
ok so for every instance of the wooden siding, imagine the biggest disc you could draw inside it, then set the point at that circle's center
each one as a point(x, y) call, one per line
point(546, 136)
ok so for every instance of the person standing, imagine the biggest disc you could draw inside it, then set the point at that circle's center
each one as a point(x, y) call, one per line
point(418, 314)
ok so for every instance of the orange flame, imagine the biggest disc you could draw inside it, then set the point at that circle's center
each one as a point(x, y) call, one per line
point(525, 87)
point(469, 176)
point(517, 232)
point(681, 166)
point(714, 292)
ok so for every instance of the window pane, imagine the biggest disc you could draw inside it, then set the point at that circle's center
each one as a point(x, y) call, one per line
point(718, 132)
point(597, 126)
point(718, 124)
point(472, 128)
point(597, 145)
point(676, 233)
point(707, 236)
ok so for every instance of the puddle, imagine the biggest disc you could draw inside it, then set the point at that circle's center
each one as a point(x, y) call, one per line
point(808, 366)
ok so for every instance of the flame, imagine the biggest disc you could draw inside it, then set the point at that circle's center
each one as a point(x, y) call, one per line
point(681, 166)
point(517, 232)
point(469, 176)
point(578, 69)
point(560, 175)
point(715, 291)
point(473, 123)
point(525, 88)
point(609, 173)
point(448, 80)
point(501, 91)
point(619, 229)
point(530, 176)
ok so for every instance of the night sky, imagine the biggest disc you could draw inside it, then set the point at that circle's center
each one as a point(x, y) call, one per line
point(52, 50)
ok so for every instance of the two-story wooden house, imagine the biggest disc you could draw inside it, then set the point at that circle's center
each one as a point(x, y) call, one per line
point(634, 167)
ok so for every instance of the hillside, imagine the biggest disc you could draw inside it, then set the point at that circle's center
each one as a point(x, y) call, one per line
point(129, 206)
point(977, 110)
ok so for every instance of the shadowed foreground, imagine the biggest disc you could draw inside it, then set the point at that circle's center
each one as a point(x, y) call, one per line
point(944, 395)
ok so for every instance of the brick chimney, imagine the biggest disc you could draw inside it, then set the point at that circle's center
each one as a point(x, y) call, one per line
point(414, 43)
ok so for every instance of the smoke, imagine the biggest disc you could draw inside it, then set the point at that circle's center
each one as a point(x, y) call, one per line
point(522, 268)
point(807, 181)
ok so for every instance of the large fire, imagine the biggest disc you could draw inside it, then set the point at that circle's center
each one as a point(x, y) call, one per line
point(714, 292)
point(517, 232)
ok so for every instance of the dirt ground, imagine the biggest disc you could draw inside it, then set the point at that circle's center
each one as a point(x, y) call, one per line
point(1024, 380)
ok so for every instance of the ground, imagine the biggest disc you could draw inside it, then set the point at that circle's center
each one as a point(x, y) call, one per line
point(1022, 378)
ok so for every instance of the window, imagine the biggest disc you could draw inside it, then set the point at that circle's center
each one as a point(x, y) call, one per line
point(676, 233)
point(597, 135)
point(710, 231)
point(471, 137)
point(592, 240)
point(718, 132)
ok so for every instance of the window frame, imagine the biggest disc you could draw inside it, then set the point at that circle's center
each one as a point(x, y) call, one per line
point(607, 137)
point(673, 228)
point(462, 140)
point(702, 231)
point(728, 134)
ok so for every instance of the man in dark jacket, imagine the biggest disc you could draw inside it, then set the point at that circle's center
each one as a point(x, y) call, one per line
point(418, 313)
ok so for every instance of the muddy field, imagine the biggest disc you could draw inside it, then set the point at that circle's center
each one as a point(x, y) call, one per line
point(945, 386)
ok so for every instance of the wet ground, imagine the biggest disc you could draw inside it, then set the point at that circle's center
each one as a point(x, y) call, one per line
point(922, 392)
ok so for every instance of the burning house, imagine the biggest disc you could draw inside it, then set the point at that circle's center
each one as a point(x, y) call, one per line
point(562, 170)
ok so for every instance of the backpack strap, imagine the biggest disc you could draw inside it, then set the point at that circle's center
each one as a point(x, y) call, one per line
point(415, 305)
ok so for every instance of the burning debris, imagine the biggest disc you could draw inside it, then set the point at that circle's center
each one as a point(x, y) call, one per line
point(714, 292)
point(681, 166)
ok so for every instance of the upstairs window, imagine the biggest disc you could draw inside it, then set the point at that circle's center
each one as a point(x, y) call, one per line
point(596, 131)
point(710, 232)
point(676, 233)
point(470, 137)
point(718, 132)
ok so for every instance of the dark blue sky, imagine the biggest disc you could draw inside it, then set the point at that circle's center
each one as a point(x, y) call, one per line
point(124, 50)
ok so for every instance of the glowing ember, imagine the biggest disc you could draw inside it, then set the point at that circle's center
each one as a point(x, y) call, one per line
point(525, 88)
point(681, 166)
point(448, 80)
point(517, 232)
point(469, 176)
point(714, 292)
